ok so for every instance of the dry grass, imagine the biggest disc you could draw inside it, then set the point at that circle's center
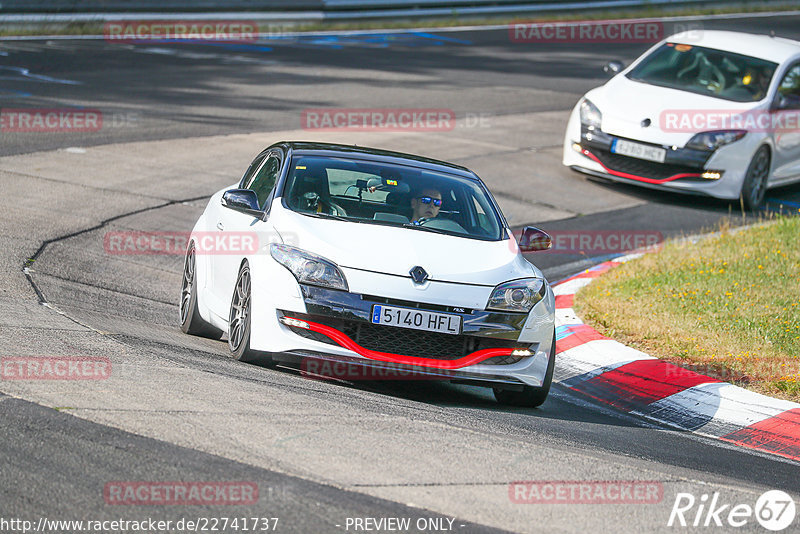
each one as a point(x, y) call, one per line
point(727, 306)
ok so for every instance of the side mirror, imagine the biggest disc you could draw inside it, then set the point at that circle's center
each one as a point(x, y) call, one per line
point(242, 200)
point(533, 239)
point(613, 67)
point(783, 103)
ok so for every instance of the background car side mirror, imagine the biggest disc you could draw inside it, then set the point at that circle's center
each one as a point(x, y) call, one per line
point(613, 67)
point(533, 239)
point(242, 200)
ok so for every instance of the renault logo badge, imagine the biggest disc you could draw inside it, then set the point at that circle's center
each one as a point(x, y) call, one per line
point(418, 274)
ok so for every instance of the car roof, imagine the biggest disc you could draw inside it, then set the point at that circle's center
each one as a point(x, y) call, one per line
point(775, 49)
point(307, 148)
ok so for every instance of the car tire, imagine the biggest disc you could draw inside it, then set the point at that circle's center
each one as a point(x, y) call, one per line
point(189, 316)
point(239, 320)
point(754, 187)
point(530, 396)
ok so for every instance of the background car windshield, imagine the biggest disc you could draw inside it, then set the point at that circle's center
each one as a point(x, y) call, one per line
point(378, 193)
point(706, 71)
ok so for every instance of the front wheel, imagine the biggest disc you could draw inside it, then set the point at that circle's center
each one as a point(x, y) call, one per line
point(530, 396)
point(754, 187)
point(239, 321)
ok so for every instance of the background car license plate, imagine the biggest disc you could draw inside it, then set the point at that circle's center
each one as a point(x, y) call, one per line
point(417, 319)
point(638, 150)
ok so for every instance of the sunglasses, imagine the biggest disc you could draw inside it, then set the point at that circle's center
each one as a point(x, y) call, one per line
point(427, 200)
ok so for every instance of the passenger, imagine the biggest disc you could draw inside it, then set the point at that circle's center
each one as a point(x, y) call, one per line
point(426, 205)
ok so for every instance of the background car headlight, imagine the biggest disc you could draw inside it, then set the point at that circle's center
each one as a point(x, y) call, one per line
point(518, 296)
point(309, 268)
point(714, 140)
point(590, 115)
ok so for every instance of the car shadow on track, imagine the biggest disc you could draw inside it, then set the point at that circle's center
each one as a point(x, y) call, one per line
point(560, 405)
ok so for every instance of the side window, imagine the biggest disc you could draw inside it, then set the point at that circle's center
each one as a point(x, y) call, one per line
point(789, 89)
point(247, 179)
point(264, 180)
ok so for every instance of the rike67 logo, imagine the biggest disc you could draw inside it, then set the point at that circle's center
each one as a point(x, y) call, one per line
point(774, 510)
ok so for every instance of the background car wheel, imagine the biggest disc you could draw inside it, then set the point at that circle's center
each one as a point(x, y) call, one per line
point(530, 397)
point(191, 322)
point(755, 181)
point(239, 321)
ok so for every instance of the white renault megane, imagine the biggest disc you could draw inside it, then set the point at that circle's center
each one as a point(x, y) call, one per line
point(371, 260)
point(715, 114)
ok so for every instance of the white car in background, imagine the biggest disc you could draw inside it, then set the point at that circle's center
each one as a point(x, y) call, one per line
point(714, 114)
point(336, 263)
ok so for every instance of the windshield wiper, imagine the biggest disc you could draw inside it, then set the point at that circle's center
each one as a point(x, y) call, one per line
point(426, 228)
point(329, 216)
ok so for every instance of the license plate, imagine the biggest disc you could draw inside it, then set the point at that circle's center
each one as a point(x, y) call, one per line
point(417, 319)
point(638, 150)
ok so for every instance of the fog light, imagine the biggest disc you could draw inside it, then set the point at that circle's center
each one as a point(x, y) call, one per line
point(576, 147)
point(712, 175)
point(521, 352)
point(289, 321)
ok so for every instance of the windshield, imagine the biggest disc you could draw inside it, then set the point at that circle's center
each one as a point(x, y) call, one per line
point(706, 71)
point(396, 195)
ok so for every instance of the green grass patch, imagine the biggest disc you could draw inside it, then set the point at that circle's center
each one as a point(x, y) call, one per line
point(727, 306)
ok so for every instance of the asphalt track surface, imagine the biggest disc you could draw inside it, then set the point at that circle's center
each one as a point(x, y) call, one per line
point(180, 122)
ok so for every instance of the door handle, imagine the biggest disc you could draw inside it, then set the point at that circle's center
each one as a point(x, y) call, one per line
point(220, 226)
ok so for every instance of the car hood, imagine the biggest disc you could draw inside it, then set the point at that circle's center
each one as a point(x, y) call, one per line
point(396, 250)
point(626, 103)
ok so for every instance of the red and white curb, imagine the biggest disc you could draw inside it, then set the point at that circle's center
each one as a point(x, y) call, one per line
point(634, 382)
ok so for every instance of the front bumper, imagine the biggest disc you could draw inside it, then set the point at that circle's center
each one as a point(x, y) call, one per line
point(717, 174)
point(497, 348)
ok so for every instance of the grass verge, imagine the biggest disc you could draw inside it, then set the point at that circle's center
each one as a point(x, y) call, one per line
point(727, 306)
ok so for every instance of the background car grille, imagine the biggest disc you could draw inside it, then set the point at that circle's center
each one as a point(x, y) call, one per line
point(641, 167)
point(407, 342)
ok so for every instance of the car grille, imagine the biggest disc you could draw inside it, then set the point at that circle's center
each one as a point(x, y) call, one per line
point(407, 342)
point(641, 167)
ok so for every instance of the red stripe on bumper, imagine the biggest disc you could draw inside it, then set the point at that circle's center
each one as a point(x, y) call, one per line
point(343, 340)
point(637, 177)
point(779, 435)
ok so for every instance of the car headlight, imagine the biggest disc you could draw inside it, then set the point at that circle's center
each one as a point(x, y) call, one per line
point(590, 115)
point(517, 296)
point(714, 140)
point(309, 268)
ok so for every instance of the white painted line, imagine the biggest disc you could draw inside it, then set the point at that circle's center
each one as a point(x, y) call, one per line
point(566, 316)
point(727, 408)
point(571, 287)
point(594, 354)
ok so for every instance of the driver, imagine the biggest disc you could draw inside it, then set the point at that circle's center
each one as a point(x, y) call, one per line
point(426, 205)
